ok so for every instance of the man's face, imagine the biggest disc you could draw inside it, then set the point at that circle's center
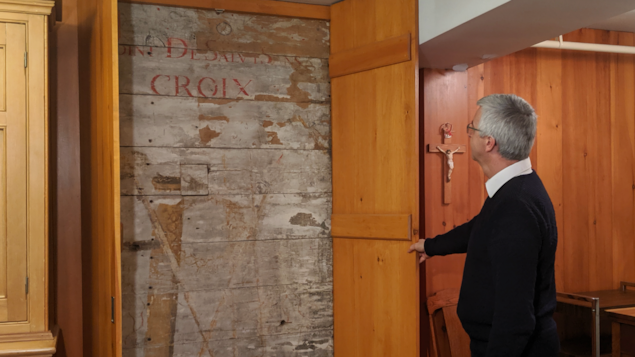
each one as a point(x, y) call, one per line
point(477, 144)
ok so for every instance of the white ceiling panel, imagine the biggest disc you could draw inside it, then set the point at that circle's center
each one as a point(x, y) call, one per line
point(624, 22)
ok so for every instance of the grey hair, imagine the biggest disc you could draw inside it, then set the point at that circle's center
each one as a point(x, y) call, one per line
point(511, 121)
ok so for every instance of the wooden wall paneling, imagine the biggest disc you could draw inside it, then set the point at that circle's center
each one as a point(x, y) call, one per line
point(549, 157)
point(586, 170)
point(375, 171)
point(514, 74)
point(99, 111)
point(264, 7)
point(622, 89)
point(574, 151)
point(475, 91)
point(441, 91)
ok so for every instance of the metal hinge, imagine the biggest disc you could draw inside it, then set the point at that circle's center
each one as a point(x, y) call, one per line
point(26, 286)
point(26, 59)
point(112, 309)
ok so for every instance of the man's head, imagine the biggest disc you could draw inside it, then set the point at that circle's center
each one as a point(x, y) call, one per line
point(503, 130)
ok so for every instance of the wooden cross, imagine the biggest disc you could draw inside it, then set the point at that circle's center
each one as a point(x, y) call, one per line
point(448, 149)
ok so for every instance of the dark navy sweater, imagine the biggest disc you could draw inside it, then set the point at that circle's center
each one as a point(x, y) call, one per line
point(508, 293)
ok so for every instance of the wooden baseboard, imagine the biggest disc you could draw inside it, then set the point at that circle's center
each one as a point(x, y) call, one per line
point(39, 344)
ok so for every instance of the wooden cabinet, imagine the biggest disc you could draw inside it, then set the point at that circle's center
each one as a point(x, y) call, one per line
point(24, 327)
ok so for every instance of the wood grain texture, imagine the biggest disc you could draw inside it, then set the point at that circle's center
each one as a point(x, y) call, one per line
point(375, 171)
point(378, 226)
point(622, 69)
point(264, 7)
point(380, 54)
point(450, 337)
point(208, 35)
point(226, 193)
point(440, 106)
point(16, 161)
point(25, 173)
point(65, 184)
point(99, 111)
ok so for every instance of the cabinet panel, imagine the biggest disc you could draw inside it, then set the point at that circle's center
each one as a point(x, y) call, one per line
point(13, 177)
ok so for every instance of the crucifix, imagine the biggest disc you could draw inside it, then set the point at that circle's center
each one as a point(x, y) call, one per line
point(448, 149)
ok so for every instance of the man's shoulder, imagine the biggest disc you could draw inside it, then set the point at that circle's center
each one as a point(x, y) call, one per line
point(525, 193)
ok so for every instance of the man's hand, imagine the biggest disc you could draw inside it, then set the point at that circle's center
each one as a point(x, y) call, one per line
point(419, 248)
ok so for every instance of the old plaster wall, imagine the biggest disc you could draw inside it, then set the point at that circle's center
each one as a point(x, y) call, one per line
point(225, 184)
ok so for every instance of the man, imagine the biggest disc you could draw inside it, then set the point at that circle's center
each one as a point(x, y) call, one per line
point(508, 293)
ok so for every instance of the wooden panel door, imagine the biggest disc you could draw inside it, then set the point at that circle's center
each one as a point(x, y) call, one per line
point(99, 112)
point(375, 182)
point(13, 173)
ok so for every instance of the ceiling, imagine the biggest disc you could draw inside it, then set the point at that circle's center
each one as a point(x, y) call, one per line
point(624, 22)
point(315, 2)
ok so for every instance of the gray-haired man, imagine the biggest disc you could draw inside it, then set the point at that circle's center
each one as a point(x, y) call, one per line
point(508, 293)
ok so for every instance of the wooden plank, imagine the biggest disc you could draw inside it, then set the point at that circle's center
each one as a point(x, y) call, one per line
point(208, 33)
point(226, 218)
point(549, 141)
point(578, 67)
point(66, 212)
point(17, 158)
point(476, 186)
point(459, 340)
point(446, 101)
point(231, 172)
point(38, 171)
point(375, 171)
point(3, 223)
point(3, 78)
point(281, 344)
point(379, 264)
point(233, 314)
point(221, 123)
point(264, 7)
point(587, 193)
point(380, 54)
point(622, 74)
point(297, 80)
point(99, 110)
point(375, 226)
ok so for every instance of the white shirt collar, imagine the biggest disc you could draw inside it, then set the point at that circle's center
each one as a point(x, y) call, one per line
point(520, 168)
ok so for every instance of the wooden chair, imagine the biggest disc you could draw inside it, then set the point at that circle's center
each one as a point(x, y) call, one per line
point(448, 337)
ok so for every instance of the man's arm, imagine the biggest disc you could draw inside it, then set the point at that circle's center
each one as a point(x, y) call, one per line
point(452, 242)
point(514, 252)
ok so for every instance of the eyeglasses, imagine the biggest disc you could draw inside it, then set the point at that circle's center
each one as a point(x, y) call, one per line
point(471, 126)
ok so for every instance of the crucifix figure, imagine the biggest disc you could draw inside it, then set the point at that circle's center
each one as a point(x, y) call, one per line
point(450, 155)
point(448, 149)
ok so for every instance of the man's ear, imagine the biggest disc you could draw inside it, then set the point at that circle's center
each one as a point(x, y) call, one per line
point(490, 143)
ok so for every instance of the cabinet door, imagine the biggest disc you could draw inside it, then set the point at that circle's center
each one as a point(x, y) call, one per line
point(375, 178)
point(13, 173)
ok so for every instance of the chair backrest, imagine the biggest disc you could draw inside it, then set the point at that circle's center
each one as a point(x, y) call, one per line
point(448, 336)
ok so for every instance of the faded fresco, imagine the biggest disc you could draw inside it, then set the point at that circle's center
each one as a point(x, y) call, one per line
point(225, 184)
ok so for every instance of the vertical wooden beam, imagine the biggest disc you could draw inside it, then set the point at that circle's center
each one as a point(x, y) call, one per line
point(66, 212)
point(99, 112)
